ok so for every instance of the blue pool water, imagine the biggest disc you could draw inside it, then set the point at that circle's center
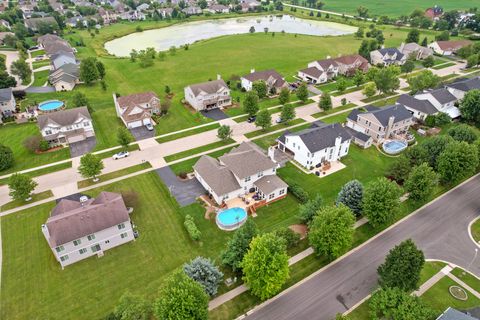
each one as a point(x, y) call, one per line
point(231, 217)
point(50, 105)
point(394, 146)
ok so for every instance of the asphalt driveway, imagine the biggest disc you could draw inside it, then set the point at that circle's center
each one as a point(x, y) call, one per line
point(214, 114)
point(142, 133)
point(78, 149)
point(185, 192)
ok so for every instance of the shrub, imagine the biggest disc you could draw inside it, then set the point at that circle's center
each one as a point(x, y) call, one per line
point(291, 237)
point(6, 158)
point(182, 175)
point(205, 272)
point(192, 229)
point(299, 193)
point(130, 197)
point(44, 145)
point(32, 143)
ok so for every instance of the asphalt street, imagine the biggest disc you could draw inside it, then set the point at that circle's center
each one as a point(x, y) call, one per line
point(439, 229)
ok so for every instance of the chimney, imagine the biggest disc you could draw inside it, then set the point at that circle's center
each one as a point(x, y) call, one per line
point(252, 70)
point(219, 77)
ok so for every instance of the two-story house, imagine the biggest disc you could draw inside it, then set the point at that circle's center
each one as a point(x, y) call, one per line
point(77, 230)
point(348, 65)
point(387, 57)
point(66, 77)
point(272, 78)
point(415, 50)
point(243, 170)
point(319, 144)
point(7, 102)
point(448, 47)
point(420, 109)
point(460, 87)
point(381, 123)
point(442, 100)
point(66, 126)
point(136, 110)
point(208, 95)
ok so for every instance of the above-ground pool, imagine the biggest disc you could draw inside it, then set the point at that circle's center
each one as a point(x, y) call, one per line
point(394, 146)
point(231, 219)
point(50, 105)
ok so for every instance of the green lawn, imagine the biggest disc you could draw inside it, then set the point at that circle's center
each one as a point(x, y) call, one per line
point(41, 77)
point(443, 66)
point(476, 230)
point(108, 154)
point(13, 135)
point(35, 197)
point(267, 141)
point(274, 128)
point(114, 174)
point(468, 278)
point(187, 133)
point(37, 53)
point(378, 97)
point(350, 90)
point(201, 149)
point(41, 172)
point(334, 110)
point(38, 64)
point(438, 297)
point(187, 165)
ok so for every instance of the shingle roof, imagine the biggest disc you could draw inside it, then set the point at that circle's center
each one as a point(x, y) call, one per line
point(218, 177)
point(6, 94)
point(453, 314)
point(265, 75)
point(135, 99)
point(443, 95)
point(70, 220)
point(423, 106)
point(326, 63)
point(270, 183)
point(208, 87)
point(452, 45)
point(391, 51)
point(32, 23)
point(312, 71)
point(63, 117)
point(68, 72)
point(466, 84)
point(357, 134)
point(399, 112)
point(322, 136)
point(246, 160)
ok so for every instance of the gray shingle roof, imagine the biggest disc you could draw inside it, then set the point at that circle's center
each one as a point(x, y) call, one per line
point(270, 183)
point(423, 106)
point(358, 135)
point(208, 87)
point(443, 95)
point(264, 75)
point(399, 112)
point(312, 71)
point(453, 314)
point(321, 136)
point(391, 51)
point(63, 117)
point(6, 94)
point(218, 177)
point(246, 160)
point(466, 84)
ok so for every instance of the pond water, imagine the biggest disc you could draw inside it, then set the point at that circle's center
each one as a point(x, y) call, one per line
point(188, 33)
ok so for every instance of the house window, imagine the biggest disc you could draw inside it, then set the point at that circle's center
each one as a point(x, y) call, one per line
point(77, 242)
point(69, 127)
point(59, 248)
point(123, 235)
point(247, 179)
point(48, 132)
point(82, 251)
point(95, 248)
point(121, 226)
point(271, 196)
point(91, 237)
point(281, 192)
point(260, 174)
point(107, 241)
point(64, 258)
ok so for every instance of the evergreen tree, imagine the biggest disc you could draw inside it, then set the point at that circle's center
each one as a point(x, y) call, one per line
point(351, 195)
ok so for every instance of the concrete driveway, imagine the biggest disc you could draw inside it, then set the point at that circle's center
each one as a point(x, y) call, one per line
point(142, 133)
point(80, 148)
point(214, 114)
point(185, 192)
point(440, 229)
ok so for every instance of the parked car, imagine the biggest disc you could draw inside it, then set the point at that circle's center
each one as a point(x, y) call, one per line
point(120, 155)
point(279, 120)
point(149, 126)
point(251, 119)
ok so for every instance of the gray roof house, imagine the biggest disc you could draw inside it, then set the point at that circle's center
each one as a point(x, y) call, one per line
point(461, 86)
point(61, 58)
point(442, 100)
point(77, 230)
point(454, 314)
point(242, 170)
point(387, 56)
point(65, 77)
point(208, 95)
point(7, 102)
point(420, 108)
point(33, 23)
point(415, 50)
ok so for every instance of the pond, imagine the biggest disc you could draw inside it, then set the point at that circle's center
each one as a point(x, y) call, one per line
point(188, 33)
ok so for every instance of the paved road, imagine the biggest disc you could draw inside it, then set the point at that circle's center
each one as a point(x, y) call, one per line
point(440, 230)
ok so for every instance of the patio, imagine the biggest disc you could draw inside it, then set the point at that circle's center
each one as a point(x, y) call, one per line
point(324, 170)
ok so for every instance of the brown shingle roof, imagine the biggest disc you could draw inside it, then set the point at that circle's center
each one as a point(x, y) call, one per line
point(246, 160)
point(270, 183)
point(136, 99)
point(217, 176)
point(208, 87)
point(71, 220)
point(63, 117)
point(265, 75)
point(452, 45)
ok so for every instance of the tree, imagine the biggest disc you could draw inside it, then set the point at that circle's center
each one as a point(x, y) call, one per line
point(459, 160)
point(424, 42)
point(428, 62)
point(21, 186)
point(224, 132)
point(463, 132)
point(358, 78)
point(364, 49)
point(421, 182)
point(181, 298)
point(351, 195)
point(264, 119)
point(308, 210)
point(393, 303)
point(380, 201)
point(7, 81)
point(302, 93)
point(124, 138)
point(416, 155)
point(284, 96)
point(204, 271)
point(6, 157)
point(473, 60)
point(360, 32)
point(101, 69)
point(80, 100)
point(370, 89)
point(250, 103)
point(470, 106)
point(402, 267)
point(90, 166)
point(32, 143)
point(362, 12)
point(265, 265)
point(400, 169)
point(387, 79)
point(325, 102)
point(165, 106)
point(133, 55)
point(261, 88)
point(21, 69)
point(88, 70)
point(423, 80)
point(408, 66)
point(237, 246)
point(413, 36)
point(132, 307)
point(331, 231)
point(341, 84)
point(434, 147)
point(288, 113)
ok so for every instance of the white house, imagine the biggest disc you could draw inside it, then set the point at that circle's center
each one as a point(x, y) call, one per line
point(208, 95)
point(460, 87)
point(7, 102)
point(77, 230)
point(66, 77)
point(387, 56)
point(420, 109)
point(319, 144)
point(448, 48)
point(136, 110)
point(381, 123)
point(61, 58)
point(66, 126)
point(241, 171)
point(442, 100)
point(272, 78)
point(415, 50)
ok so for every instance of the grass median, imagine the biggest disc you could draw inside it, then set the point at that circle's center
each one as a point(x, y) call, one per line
point(35, 197)
point(187, 133)
point(191, 152)
point(112, 175)
point(41, 172)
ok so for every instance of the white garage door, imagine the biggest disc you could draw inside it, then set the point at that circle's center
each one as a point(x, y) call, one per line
point(135, 124)
point(77, 138)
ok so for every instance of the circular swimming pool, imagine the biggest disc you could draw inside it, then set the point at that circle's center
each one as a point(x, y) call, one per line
point(50, 105)
point(394, 146)
point(231, 219)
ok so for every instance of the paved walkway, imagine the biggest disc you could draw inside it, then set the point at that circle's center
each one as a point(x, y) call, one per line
point(463, 284)
point(433, 280)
